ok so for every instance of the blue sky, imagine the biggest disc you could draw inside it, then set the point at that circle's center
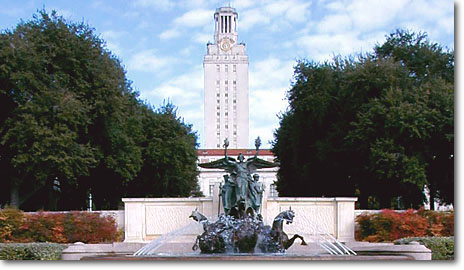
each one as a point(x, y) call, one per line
point(161, 43)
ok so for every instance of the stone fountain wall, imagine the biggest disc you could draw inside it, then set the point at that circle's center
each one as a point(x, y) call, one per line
point(147, 219)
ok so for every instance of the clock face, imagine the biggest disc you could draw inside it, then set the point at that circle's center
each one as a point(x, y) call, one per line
point(225, 44)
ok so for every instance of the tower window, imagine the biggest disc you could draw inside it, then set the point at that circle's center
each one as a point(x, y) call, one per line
point(230, 24)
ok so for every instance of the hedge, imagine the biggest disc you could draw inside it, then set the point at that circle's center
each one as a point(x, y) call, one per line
point(70, 227)
point(31, 251)
point(389, 225)
point(442, 247)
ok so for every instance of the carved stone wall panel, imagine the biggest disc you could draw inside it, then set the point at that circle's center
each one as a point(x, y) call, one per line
point(311, 219)
point(165, 218)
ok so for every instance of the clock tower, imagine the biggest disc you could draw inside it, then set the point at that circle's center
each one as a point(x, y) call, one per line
point(226, 85)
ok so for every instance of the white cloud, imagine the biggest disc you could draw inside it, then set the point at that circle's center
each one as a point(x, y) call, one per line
point(185, 88)
point(163, 5)
point(202, 38)
point(169, 34)
point(149, 61)
point(195, 18)
point(242, 4)
point(269, 81)
point(184, 91)
point(275, 14)
point(322, 47)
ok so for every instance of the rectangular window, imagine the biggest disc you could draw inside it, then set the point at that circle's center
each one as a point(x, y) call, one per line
point(218, 95)
point(218, 114)
point(235, 69)
point(235, 82)
point(227, 68)
point(226, 94)
point(217, 82)
point(218, 68)
point(227, 114)
point(227, 126)
point(227, 82)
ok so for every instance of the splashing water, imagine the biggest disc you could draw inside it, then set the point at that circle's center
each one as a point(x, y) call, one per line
point(154, 245)
point(322, 238)
point(329, 243)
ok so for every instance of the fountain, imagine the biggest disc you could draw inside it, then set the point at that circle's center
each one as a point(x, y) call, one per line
point(241, 230)
point(239, 233)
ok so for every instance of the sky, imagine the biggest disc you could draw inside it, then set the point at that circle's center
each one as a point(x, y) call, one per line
point(161, 43)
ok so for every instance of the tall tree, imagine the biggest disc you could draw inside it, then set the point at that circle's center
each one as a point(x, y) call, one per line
point(378, 127)
point(169, 156)
point(70, 124)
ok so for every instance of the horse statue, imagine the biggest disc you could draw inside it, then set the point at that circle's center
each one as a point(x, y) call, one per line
point(278, 233)
point(197, 216)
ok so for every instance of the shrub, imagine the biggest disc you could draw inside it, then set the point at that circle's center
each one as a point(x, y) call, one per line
point(68, 227)
point(31, 251)
point(10, 220)
point(442, 247)
point(389, 225)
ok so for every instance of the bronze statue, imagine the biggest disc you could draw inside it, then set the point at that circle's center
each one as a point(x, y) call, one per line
point(240, 178)
point(241, 229)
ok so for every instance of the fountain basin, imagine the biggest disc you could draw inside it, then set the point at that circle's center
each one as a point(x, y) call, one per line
point(250, 257)
point(182, 251)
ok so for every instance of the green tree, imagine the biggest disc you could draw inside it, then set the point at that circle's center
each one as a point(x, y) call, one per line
point(70, 116)
point(379, 127)
point(169, 156)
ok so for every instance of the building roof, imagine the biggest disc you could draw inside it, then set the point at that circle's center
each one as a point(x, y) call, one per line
point(233, 152)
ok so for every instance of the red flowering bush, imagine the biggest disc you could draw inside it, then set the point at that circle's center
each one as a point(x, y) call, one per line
point(68, 227)
point(390, 225)
point(10, 220)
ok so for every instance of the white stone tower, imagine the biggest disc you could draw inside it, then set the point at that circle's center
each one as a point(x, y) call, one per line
point(226, 84)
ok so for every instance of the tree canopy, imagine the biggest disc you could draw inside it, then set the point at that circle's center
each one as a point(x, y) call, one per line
point(379, 126)
point(70, 124)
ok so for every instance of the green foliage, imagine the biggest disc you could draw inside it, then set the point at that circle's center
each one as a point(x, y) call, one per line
point(68, 227)
point(389, 225)
point(442, 247)
point(380, 126)
point(69, 114)
point(31, 251)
